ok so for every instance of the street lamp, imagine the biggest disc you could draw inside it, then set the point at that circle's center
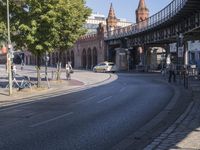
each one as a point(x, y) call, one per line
point(9, 46)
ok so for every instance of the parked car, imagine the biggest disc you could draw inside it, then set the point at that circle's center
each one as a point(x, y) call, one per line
point(105, 67)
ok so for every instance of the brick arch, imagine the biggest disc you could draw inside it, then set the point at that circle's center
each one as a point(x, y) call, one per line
point(89, 58)
point(84, 59)
point(95, 56)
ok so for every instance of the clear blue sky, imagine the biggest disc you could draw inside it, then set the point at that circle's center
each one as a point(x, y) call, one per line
point(125, 8)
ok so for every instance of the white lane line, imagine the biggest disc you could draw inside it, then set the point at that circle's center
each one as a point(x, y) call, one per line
point(105, 99)
point(83, 101)
point(50, 120)
point(122, 89)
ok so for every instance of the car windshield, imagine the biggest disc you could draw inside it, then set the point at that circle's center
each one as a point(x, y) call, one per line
point(111, 64)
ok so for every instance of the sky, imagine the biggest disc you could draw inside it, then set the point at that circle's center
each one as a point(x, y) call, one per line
point(125, 8)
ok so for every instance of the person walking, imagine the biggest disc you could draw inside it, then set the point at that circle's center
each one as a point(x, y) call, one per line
point(13, 70)
point(68, 68)
point(22, 66)
point(172, 69)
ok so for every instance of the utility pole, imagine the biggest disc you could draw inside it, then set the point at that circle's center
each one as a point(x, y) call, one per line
point(9, 54)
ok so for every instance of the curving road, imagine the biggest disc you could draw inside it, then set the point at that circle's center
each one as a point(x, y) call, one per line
point(92, 119)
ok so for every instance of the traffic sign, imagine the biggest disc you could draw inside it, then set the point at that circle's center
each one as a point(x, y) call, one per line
point(180, 51)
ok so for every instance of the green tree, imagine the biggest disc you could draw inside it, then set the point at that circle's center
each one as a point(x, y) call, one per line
point(3, 32)
point(34, 25)
point(14, 6)
point(71, 16)
point(50, 25)
point(44, 26)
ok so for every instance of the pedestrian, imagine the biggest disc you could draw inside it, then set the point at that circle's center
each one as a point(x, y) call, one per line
point(13, 70)
point(68, 68)
point(22, 65)
point(172, 69)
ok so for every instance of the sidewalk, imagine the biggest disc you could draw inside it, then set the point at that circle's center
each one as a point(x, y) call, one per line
point(184, 133)
point(79, 80)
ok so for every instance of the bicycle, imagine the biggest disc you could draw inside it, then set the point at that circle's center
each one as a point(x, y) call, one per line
point(15, 84)
point(25, 83)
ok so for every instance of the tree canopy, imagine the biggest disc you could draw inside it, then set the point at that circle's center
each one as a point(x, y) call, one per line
point(3, 32)
point(45, 25)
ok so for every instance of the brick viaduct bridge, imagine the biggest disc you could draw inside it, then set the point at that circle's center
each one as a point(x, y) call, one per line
point(178, 22)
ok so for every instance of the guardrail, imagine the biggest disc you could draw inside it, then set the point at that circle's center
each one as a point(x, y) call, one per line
point(165, 14)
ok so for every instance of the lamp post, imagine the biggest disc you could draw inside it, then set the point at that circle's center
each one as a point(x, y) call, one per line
point(9, 54)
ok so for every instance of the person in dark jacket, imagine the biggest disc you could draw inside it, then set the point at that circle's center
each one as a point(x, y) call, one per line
point(172, 69)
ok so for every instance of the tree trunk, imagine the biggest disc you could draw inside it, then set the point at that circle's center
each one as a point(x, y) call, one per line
point(59, 65)
point(38, 70)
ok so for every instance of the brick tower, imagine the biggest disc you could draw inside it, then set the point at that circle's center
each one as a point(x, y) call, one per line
point(142, 11)
point(111, 20)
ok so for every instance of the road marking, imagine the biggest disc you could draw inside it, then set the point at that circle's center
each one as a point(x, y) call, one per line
point(86, 100)
point(105, 99)
point(122, 89)
point(50, 120)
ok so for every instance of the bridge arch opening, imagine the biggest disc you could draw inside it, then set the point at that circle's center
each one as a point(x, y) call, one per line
point(95, 56)
point(84, 58)
point(72, 58)
point(89, 58)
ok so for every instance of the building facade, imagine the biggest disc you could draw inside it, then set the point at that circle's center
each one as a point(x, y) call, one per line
point(90, 49)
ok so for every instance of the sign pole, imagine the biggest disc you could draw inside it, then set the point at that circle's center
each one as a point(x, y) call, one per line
point(9, 59)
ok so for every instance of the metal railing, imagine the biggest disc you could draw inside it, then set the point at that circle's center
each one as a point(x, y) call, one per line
point(162, 16)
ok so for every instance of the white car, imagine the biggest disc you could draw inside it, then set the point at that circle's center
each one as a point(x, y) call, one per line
point(105, 67)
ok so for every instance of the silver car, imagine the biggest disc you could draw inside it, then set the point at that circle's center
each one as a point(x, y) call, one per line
point(105, 67)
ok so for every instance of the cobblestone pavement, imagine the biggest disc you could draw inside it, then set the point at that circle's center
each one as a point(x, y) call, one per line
point(184, 133)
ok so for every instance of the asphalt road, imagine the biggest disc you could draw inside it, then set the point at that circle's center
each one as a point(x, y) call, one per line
point(93, 119)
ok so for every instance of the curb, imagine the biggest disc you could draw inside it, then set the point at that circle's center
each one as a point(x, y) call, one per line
point(167, 132)
point(35, 98)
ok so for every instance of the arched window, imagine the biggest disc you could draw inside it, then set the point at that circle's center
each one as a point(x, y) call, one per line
point(72, 58)
point(95, 56)
point(84, 58)
point(89, 58)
